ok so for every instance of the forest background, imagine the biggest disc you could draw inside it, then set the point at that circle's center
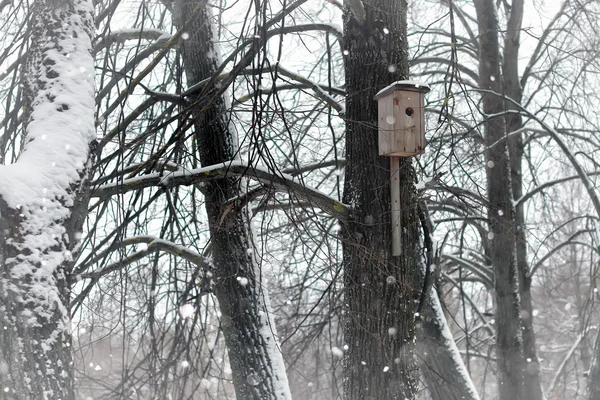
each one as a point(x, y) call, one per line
point(193, 205)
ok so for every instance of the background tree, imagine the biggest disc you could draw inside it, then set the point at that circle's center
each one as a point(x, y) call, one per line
point(523, 97)
point(155, 269)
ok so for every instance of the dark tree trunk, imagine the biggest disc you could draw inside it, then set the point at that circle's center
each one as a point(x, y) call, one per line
point(532, 388)
point(379, 317)
point(501, 211)
point(43, 202)
point(256, 362)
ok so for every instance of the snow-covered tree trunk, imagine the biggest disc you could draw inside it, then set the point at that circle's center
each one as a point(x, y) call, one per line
point(443, 369)
point(500, 210)
point(256, 361)
point(379, 317)
point(43, 198)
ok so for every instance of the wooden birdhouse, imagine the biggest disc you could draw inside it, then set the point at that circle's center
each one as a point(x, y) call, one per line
point(401, 126)
point(402, 119)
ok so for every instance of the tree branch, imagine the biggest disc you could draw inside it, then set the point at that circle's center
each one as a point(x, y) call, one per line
point(281, 182)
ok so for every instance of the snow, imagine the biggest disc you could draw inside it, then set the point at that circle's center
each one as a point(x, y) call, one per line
point(420, 86)
point(40, 185)
point(268, 331)
point(337, 352)
point(450, 344)
point(187, 311)
point(242, 280)
point(205, 383)
point(266, 322)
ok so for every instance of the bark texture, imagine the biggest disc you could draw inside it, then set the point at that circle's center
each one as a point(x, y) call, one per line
point(249, 331)
point(500, 210)
point(379, 325)
point(43, 202)
point(532, 388)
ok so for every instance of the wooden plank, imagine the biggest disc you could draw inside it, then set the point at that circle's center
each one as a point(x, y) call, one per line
point(395, 206)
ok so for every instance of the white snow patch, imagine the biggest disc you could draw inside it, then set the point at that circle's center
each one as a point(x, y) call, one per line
point(40, 186)
point(187, 310)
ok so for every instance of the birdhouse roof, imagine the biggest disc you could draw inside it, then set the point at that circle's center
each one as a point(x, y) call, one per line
point(411, 86)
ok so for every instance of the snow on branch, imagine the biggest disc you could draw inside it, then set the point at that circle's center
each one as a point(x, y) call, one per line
point(154, 244)
point(281, 182)
point(562, 365)
point(124, 35)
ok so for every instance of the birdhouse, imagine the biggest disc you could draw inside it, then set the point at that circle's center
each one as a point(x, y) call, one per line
point(401, 125)
point(402, 119)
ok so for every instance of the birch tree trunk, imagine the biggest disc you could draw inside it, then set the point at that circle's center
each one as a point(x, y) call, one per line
point(379, 326)
point(501, 210)
point(43, 201)
point(256, 361)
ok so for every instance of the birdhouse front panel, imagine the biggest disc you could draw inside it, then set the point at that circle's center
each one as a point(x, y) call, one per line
point(401, 119)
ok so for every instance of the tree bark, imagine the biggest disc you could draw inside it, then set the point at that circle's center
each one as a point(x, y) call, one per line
point(379, 316)
point(532, 388)
point(501, 213)
point(43, 202)
point(256, 362)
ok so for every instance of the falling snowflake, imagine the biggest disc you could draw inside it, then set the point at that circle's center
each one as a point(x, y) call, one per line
point(337, 352)
point(187, 310)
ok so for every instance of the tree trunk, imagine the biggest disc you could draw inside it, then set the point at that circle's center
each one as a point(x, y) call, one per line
point(256, 362)
point(532, 387)
point(379, 324)
point(443, 369)
point(43, 202)
point(501, 211)
point(594, 374)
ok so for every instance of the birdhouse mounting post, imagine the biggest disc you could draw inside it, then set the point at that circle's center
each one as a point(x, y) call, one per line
point(401, 133)
point(395, 206)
